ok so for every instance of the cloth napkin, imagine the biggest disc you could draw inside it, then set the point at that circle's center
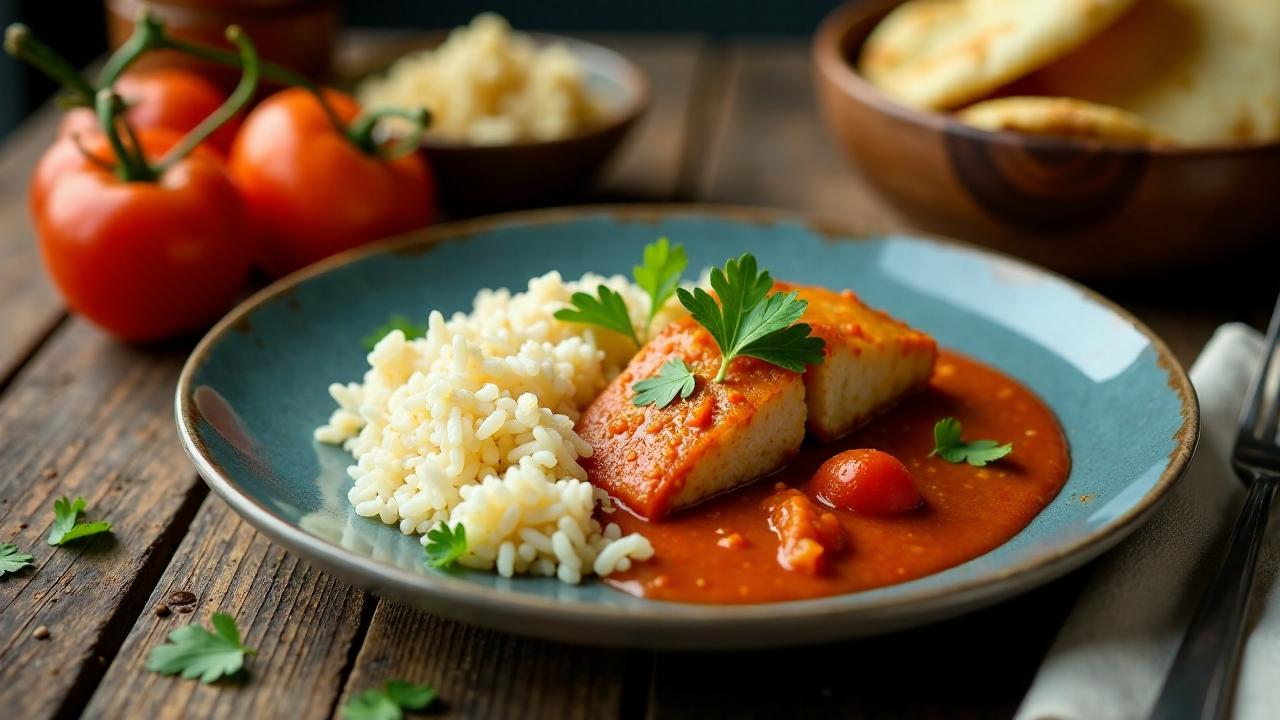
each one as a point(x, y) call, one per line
point(1110, 658)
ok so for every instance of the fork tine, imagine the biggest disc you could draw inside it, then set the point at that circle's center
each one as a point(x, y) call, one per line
point(1265, 389)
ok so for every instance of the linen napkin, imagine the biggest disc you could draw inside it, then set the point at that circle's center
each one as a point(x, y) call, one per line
point(1110, 658)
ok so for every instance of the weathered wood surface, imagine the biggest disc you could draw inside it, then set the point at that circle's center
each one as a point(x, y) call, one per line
point(732, 123)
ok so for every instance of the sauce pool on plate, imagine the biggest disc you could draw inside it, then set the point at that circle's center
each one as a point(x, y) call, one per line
point(724, 550)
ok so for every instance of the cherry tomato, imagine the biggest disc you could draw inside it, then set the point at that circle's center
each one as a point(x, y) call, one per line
point(168, 98)
point(312, 192)
point(865, 481)
point(145, 260)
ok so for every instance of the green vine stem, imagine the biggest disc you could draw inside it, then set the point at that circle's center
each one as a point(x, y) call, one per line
point(361, 132)
point(236, 101)
point(22, 45)
point(130, 166)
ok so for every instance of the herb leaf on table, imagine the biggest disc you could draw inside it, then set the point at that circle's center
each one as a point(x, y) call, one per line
point(445, 545)
point(390, 702)
point(949, 446)
point(67, 525)
point(11, 561)
point(194, 652)
point(675, 378)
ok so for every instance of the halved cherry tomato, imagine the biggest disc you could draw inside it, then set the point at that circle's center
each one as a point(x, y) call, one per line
point(144, 260)
point(168, 98)
point(865, 481)
point(312, 192)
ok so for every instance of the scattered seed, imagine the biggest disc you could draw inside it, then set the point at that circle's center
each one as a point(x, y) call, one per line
point(41, 633)
point(182, 597)
point(162, 610)
point(184, 609)
point(49, 473)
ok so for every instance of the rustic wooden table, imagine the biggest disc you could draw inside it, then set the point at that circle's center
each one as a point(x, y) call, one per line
point(733, 121)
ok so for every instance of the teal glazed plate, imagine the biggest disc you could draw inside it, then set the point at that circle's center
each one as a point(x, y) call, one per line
point(256, 386)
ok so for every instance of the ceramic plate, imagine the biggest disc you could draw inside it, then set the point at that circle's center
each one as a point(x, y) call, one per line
point(255, 387)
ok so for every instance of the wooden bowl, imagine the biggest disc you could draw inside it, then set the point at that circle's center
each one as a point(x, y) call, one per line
point(1086, 208)
point(483, 178)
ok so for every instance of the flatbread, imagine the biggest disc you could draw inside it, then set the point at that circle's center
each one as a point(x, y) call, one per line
point(1059, 117)
point(1199, 71)
point(941, 54)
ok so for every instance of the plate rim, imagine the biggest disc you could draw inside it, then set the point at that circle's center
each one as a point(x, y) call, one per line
point(448, 593)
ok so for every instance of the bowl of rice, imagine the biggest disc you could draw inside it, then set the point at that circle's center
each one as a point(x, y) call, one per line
point(517, 119)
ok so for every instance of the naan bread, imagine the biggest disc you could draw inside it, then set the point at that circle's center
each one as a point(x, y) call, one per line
point(1199, 71)
point(1059, 117)
point(941, 54)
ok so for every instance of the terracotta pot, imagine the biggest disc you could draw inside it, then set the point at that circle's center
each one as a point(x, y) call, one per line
point(1090, 209)
point(299, 34)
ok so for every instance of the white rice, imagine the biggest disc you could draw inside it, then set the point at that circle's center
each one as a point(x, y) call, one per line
point(473, 424)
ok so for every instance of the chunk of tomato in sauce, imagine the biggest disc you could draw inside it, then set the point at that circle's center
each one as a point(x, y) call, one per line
point(865, 481)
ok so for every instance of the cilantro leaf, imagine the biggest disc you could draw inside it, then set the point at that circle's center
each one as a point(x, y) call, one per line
point(390, 702)
point(11, 561)
point(949, 446)
point(749, 321)
point(659, 275)
point(609, 312)
point(194, 652)
point(445, 545)
point(674, 378)
point(66, 525)
point(399, 322)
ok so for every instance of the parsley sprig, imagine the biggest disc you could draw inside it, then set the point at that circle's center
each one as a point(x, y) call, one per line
point(674, 378)
point(445, 545)
point(949, 446)
point(67, 525)
point(399, 322)
point(11, 561)
point(390, 702)
point(194, 652)
point(749, 321)
point(658, 275)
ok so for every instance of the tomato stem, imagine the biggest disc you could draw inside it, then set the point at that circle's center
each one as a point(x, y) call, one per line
point(361, 132)
point(236, 101)
point(130, 166)
point(23, 45)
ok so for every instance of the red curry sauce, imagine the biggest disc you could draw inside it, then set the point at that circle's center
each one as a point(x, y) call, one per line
point(723, 550)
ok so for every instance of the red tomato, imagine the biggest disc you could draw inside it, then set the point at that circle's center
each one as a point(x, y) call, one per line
point(866, 481)
point(168, 98)
point(311, 192)
point(143, 260)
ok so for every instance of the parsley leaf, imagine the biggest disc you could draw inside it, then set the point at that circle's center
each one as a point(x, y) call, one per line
point(194, 652)
point(11, 561)
point(390, 702)
point(66, 525)
point(609, 312)
point(674, 378)
point(659, 275)
point(749, 321)
point(410, 329)
point(949, 447)
point(445, 545)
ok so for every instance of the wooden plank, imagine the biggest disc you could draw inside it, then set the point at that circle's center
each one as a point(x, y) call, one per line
point(302, 623)
point(486, 674)
point(29, 307)
point(771, 148)
point(88, 416)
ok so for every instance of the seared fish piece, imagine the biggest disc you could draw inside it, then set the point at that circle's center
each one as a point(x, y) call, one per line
point(655, 460)
point(871, 361)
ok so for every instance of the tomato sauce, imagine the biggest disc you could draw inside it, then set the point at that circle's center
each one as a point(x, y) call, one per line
point(724, 551)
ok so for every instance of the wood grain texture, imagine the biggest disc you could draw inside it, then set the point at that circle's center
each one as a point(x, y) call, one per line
point(771, 148)
point(29, 307)
point(302, 622)
point(87, 417)
point(485, 674)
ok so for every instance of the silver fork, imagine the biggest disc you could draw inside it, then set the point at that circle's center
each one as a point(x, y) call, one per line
point(1201, 683)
